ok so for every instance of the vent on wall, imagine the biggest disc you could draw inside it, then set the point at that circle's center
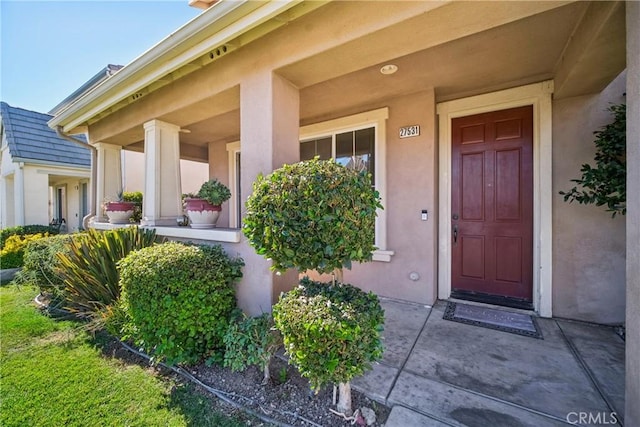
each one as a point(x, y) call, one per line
point(216, 53)
point(137, 95)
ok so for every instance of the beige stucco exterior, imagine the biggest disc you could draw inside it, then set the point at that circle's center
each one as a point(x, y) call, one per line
point(264, 87)
point(589, 245)
point(253, 77)
point(193, 173)
point(632, 369)
point(257, 76)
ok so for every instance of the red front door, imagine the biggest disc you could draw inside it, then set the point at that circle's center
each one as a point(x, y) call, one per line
point(492, 205)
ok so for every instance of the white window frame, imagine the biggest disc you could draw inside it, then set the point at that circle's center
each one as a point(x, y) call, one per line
point(378, 120)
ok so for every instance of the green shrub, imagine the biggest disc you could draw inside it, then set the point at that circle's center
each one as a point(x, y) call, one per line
point(315, 215)
point(312, 215)
point(251, 341)
point(180, 299)
point(330, 332)
point(135, 197)
point(41, 263)
point(606, 183)
point(12, 254)
point(21, 230)
point(89, 269)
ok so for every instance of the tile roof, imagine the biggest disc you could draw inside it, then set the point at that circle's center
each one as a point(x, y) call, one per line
point(30, 139)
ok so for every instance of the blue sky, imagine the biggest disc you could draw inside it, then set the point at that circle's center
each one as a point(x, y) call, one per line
point(50, 48)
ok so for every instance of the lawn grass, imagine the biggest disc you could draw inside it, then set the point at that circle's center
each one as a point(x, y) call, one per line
point(52, 373)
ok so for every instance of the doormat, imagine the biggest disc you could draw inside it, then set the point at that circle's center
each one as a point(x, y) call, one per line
point(506, 321)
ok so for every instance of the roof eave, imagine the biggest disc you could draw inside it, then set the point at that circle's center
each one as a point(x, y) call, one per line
point(224, 21)
point(27, 161)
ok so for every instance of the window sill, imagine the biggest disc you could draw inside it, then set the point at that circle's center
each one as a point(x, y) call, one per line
point(227, 235)
point(383, 256)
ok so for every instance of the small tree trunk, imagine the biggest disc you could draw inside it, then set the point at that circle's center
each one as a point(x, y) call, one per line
point(344, 399)
point(267, 374)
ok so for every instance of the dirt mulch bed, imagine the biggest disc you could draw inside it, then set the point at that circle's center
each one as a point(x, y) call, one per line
point(287, 399)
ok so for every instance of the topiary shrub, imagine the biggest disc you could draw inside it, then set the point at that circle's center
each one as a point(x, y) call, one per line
point(41, 263)
point(179, 299)
point(21, 230)
point(251, 341)
point(12, 254)
point(331, 331)
point(89, 269)
point(313, 215)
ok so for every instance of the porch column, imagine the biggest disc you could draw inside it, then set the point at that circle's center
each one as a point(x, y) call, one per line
point(269, 138)
point(162, 202)
point(632, 410)
point(109, 176)
point(18, 194)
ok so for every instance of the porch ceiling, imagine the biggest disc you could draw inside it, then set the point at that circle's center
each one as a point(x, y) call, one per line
point(542, 46)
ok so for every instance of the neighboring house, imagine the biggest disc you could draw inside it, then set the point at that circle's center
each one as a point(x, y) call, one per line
point(471, 116)
point(43, 178)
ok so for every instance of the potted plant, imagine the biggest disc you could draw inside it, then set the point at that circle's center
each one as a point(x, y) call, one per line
point(204, 209)
point(119, 211)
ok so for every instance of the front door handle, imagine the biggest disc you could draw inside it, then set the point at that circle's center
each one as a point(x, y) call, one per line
point(455, 234)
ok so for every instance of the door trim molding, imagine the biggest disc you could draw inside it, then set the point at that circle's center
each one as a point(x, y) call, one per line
point(539, 96)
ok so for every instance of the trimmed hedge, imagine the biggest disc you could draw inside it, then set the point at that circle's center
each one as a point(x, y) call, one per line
point(22, 230)
point(332, 333)
point(179, 299)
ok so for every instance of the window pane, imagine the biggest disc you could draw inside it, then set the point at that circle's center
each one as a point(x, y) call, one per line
point(323, 148)
point(344, 148)
point(365, 150)
point(316, 147)
point(307, 150)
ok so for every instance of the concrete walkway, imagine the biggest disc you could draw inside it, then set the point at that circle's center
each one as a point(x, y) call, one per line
point(437, 372)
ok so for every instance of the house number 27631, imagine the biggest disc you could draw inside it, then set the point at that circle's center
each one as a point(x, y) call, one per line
point(409, 131)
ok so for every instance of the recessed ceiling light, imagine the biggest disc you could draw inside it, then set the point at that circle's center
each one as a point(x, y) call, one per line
point(389, 69)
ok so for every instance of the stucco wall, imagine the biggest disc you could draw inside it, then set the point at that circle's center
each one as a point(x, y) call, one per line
point(588, 245)
point(36, 196)
point(632, 411)
point(7, 212)
point(411, 187)
point(192, 174)
point(219, 169)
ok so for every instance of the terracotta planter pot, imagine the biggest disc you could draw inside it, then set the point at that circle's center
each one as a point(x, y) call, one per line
point(119, 212)
point(201, 213)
